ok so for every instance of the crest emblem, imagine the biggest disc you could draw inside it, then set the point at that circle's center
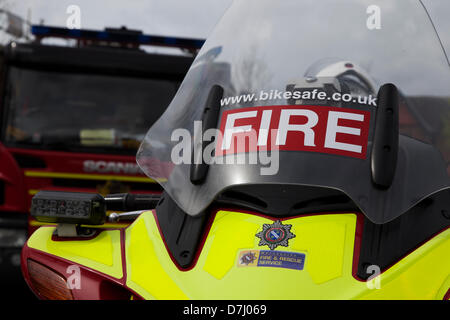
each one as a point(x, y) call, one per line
point(247, 258)
point(275, 234)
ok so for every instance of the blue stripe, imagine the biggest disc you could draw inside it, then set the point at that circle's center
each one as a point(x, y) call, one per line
point(125, 38)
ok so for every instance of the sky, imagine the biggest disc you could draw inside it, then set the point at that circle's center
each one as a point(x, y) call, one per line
point(182, 18)
point(179, 18)
point(193, 18)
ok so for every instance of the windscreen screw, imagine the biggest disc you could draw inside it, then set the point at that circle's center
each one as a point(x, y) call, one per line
point(446, 214)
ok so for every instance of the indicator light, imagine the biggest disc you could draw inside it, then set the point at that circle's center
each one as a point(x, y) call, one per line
point(46, 283)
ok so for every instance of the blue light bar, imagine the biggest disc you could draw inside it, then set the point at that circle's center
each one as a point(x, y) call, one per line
point(116, 35)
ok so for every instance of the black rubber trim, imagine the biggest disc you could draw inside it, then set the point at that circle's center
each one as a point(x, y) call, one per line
point(211, 113)
point(383, 245)
point(385, 143)
point(182, 233)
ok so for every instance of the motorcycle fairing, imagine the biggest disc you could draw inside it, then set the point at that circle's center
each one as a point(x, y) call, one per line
point(100, 261)
point(102, 253)
point(330, 243)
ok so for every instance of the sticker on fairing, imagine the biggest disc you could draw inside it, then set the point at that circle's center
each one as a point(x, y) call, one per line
point(275, 259)
point(331, 130)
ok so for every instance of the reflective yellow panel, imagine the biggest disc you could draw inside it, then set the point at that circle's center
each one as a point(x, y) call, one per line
point(103, 253)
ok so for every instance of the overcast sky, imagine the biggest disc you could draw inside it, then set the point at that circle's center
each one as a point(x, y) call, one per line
point(183, 18)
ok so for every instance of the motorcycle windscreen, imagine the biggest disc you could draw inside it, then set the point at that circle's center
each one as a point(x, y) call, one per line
point(294, 87)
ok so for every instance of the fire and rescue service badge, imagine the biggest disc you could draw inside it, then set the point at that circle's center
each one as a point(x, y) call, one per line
point(248, 258)
point(274, 235)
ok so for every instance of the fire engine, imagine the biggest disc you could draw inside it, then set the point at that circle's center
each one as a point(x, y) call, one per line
point(75, 105)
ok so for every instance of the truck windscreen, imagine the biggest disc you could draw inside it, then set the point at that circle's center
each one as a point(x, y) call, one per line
point(64, 111)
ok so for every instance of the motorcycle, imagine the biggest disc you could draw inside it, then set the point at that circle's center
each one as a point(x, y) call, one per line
point(305, 156)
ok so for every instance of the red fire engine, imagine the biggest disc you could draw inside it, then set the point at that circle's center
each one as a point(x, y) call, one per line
point(72, 117)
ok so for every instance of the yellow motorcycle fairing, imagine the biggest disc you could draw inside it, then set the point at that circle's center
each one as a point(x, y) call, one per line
point(102, 253)
point(327, 242)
